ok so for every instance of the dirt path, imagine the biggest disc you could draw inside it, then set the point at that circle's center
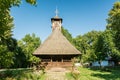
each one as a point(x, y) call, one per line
point(56, 74)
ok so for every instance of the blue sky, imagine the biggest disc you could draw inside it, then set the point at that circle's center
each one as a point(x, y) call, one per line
point(79, 16)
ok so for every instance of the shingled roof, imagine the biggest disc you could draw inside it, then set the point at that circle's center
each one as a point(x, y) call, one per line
point(56, 44)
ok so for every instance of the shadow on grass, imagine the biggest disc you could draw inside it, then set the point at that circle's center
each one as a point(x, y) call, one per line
point(107, 73)
point(20, 74)
point(13, 73)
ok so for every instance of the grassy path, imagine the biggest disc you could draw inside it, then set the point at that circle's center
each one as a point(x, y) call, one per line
point(56, 74)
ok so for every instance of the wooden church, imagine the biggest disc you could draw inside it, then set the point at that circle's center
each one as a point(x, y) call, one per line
point(56, 50)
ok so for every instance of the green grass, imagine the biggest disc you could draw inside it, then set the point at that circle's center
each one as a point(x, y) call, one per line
point(21, 74)
point(69, 76)
point(97, 74)
point(85, 74)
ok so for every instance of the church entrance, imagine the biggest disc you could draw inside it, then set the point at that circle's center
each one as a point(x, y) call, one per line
point(56, 58)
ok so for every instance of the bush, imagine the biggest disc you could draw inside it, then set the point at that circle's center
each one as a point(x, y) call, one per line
point(75, 74)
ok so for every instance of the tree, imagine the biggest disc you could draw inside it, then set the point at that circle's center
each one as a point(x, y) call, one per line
point(91, 38)
point(114, 23)
point(6, 21)
point(85, 44)
point(28, 45)
point(114, 26)
point(66, 33)
point(19, 58)
point(6, 57)
point(105, 47)
point(6, 25)
point(82, 46)
point(8, 49)
point(99, 48)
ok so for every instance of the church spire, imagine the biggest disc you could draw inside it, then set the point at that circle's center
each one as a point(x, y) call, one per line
point(56, 12)
point(56, 21)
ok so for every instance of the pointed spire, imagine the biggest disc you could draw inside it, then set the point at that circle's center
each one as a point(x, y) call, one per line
point(56, 12)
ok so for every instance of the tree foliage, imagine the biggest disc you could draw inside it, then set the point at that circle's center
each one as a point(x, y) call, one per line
point(7, 43)
point(102, 48)
point(8, 49)
point(85, 44)
point(114, 17)
point(6, 21)
point(28, 45)
point(114, 23)
point(114, 26)
point(6, 57)
point(67, 34)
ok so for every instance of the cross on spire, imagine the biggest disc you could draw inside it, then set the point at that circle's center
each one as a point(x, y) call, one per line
point(56, 11)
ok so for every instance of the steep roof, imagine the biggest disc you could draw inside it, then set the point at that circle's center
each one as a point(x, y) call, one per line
point(56, 44)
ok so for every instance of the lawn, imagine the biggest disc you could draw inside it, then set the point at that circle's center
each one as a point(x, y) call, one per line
point(97, 74)
point(85, 74)
point(21, 74)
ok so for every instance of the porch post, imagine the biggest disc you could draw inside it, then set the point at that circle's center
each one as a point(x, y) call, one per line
point(62, 58)
point(51, 59)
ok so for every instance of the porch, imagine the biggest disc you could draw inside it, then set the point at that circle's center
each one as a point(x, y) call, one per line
point(57, 63)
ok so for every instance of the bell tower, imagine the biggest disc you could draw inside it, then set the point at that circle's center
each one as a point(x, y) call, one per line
point(56, 22)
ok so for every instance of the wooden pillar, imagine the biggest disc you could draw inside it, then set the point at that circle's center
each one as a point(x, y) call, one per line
point(62, 59)
point(51, 59)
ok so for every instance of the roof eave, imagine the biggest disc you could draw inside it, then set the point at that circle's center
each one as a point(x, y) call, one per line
point(57, 54)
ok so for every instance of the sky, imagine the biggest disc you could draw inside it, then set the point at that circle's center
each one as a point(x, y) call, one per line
point(79, 17)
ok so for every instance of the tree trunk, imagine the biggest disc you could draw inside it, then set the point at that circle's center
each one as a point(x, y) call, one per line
point(100, 63)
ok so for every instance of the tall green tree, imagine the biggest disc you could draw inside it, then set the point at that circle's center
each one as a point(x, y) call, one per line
point(6, 26)
point(28, 45)
point(105, 47)
point(114, 23)
point(100, 48)
point(114, 26)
